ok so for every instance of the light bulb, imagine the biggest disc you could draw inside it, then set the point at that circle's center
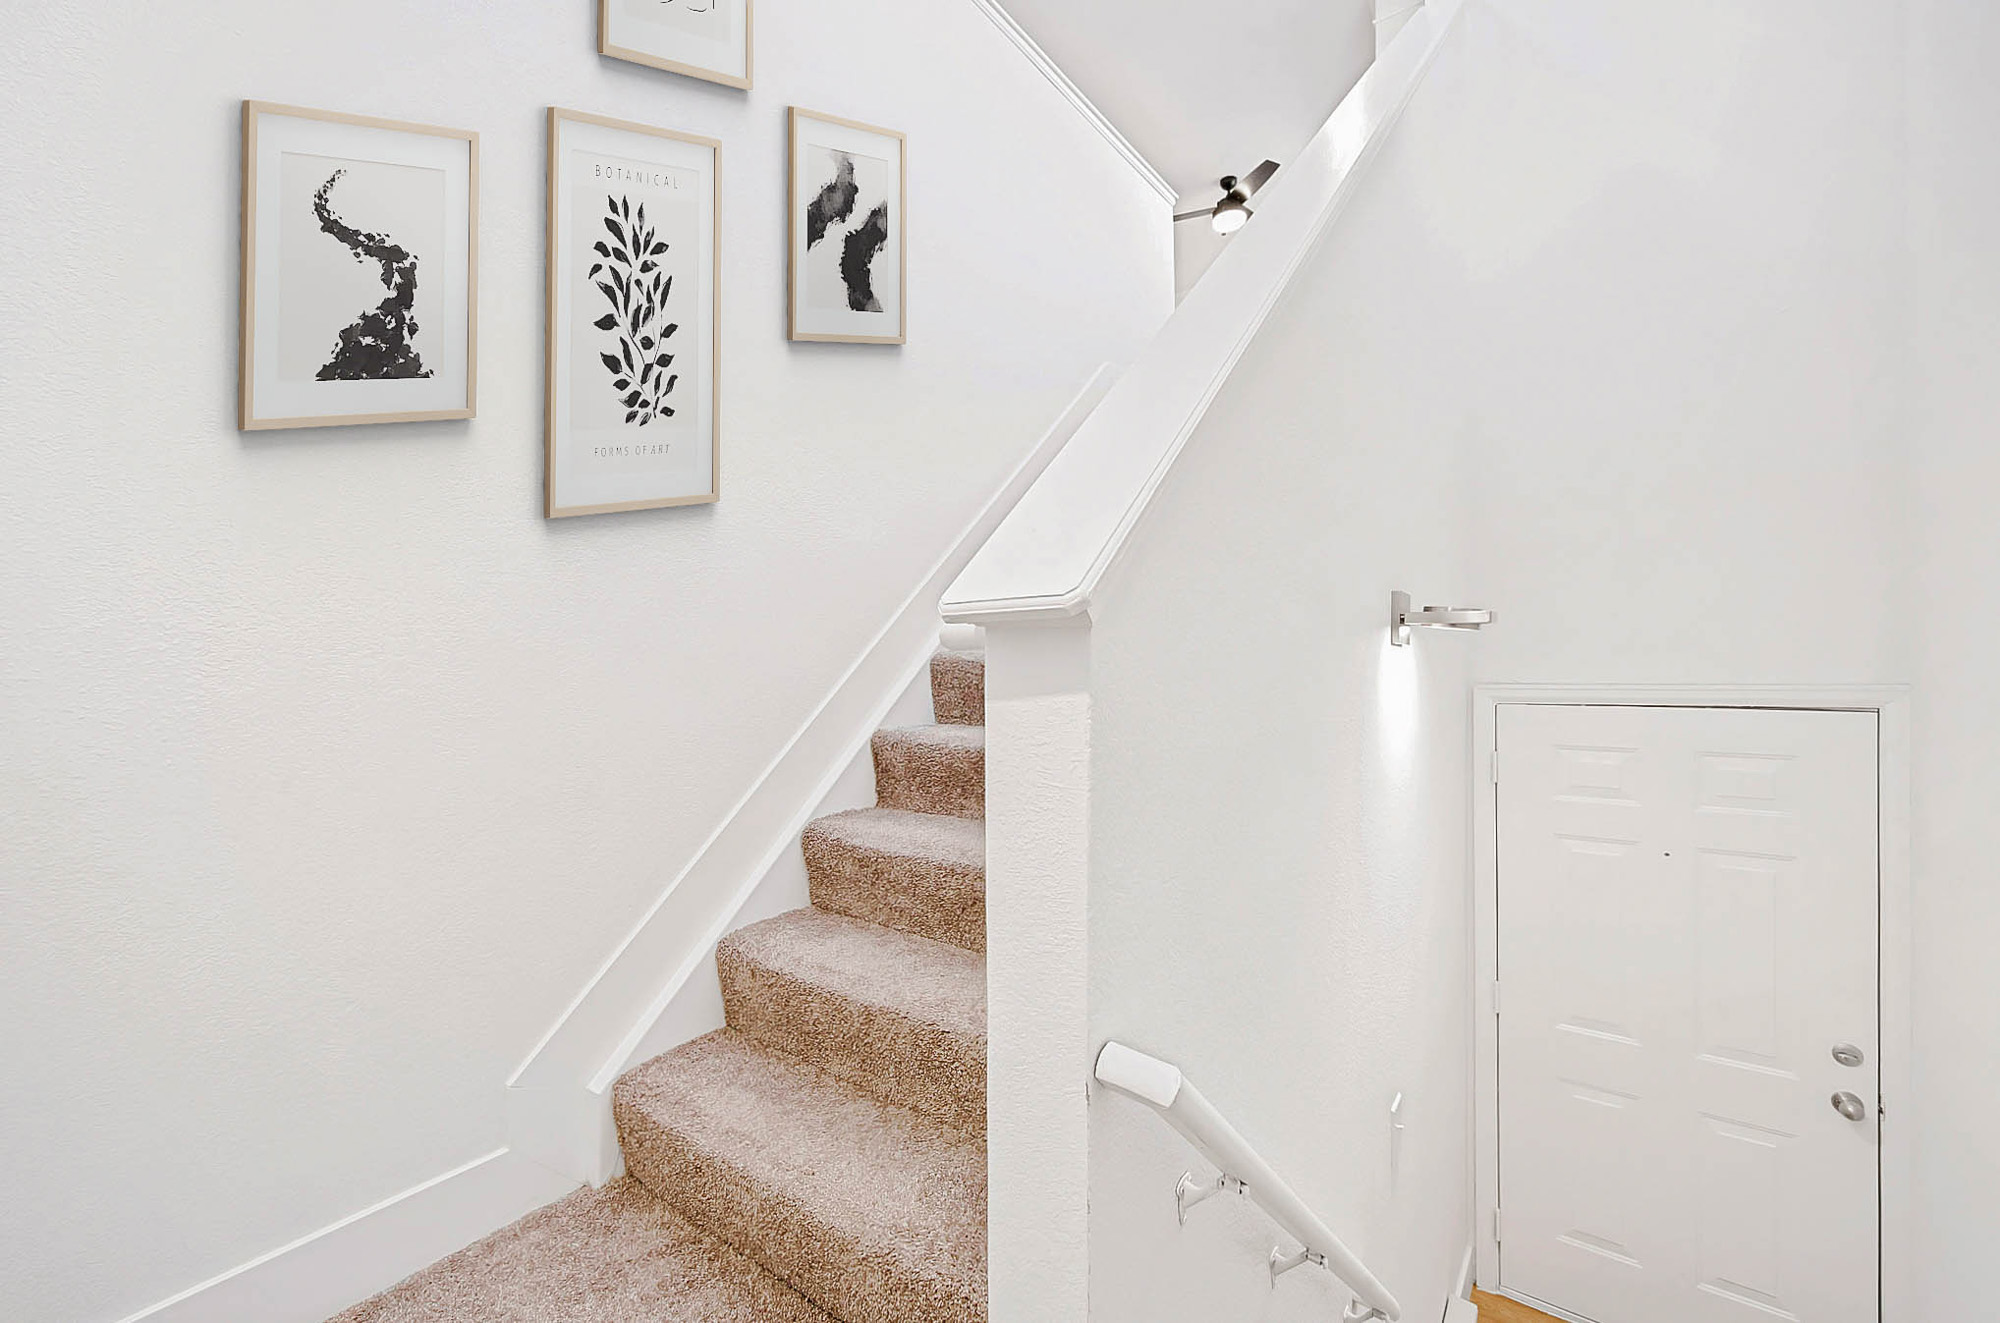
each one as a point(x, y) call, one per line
point(1229, 216)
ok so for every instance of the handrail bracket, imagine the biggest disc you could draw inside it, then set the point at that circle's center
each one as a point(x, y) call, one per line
point(1188, 1191)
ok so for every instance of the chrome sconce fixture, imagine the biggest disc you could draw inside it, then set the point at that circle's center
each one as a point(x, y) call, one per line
point(1402, 619)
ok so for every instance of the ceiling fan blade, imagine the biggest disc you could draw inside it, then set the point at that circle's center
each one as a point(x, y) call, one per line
point(1190, 215)
point(1257, 178)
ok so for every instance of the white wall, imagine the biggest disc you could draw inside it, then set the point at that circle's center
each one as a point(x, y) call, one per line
point(1614, 340)
point(1676, 336)
point(332, 771)
point(1277, 807)
point(1954, 104)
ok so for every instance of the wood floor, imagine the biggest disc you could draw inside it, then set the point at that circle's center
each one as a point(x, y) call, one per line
point(1498, 1309)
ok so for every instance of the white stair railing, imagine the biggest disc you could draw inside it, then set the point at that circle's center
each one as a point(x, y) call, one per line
point(1162, 1087)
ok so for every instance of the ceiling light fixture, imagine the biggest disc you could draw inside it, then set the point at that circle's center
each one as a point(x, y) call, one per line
point(1228, 215)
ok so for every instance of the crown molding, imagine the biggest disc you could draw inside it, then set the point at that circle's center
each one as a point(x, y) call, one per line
point(1074, 95)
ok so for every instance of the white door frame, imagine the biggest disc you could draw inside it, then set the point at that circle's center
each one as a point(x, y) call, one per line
point(1891, 704)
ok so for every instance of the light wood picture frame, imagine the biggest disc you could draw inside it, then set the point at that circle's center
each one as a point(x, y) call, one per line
point(360, 270)
point(849, 255)
point(634, 317)
point(714, 40)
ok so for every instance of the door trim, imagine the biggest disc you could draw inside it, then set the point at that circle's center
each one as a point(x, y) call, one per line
point(1891, 704)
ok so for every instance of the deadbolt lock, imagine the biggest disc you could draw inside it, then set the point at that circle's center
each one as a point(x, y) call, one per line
point(1847, 1054)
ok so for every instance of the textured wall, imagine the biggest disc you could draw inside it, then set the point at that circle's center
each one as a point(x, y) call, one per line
point(331, 771)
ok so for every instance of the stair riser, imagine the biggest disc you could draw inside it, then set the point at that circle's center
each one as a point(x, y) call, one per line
point(930, 778)
point(958, 688)
point(827, 1266)
point(902, 1061)
point(920, 896)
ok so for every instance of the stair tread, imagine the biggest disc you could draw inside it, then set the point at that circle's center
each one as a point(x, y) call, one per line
point(936, 837)
point(920, 873)
point(615, 1255)
point(938, 735)
point(932, 769)
point(875, 1211)
point(863, 962)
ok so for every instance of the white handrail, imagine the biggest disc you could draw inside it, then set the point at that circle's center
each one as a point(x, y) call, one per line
point(1162, 1087)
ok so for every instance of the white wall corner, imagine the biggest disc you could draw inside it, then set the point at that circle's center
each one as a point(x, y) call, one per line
point(1037, 960)
point(1074, 95)
point(566, 1128)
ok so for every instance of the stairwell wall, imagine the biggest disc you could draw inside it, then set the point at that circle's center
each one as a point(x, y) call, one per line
point(1277, 797)
point(332, 772)
point(1613, 338)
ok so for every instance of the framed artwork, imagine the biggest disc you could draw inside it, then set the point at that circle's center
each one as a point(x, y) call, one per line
point(848, 251)
point(360, 270)
point(635, 239)
point(709, 39)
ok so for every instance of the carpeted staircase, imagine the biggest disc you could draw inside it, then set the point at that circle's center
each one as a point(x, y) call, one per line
point(824, 1156)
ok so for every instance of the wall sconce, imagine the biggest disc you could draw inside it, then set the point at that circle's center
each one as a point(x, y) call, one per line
point(1402, 619)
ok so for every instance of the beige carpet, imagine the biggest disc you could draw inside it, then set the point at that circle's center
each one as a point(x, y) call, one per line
point(615, 1255)
point(823, 1157)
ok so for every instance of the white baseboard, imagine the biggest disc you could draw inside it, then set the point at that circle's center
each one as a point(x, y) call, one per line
point(558, 1103)
point(1462, 1287)
point(319, 1275)
point(1460, 1310)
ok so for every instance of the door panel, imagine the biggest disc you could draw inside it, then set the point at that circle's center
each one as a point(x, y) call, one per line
point(1687, 926)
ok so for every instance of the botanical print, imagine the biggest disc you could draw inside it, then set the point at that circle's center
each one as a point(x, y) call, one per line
point(357, 286)
point(633, 244)
point(380, 346)
point(631, 280)
point(847, 230)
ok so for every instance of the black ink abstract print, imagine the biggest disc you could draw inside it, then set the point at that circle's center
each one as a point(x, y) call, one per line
point(381, 346)
point(847, 230)
point(834, 202)
point(857, 259)
point(631, 281)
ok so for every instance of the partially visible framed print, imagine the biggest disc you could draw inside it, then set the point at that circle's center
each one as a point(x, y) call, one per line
point(849, 256)
point(635, 239)
point(360, 270)
point(711, 39)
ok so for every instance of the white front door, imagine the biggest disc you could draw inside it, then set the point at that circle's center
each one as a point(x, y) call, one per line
point(1687, 950)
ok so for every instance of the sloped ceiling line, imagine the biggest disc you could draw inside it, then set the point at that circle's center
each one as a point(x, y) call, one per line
point(1074, 95)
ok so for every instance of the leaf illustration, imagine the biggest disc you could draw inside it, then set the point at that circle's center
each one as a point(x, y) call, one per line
point(637, 289)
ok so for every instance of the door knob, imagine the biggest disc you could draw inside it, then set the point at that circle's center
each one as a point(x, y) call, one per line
point(1850, 1106)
